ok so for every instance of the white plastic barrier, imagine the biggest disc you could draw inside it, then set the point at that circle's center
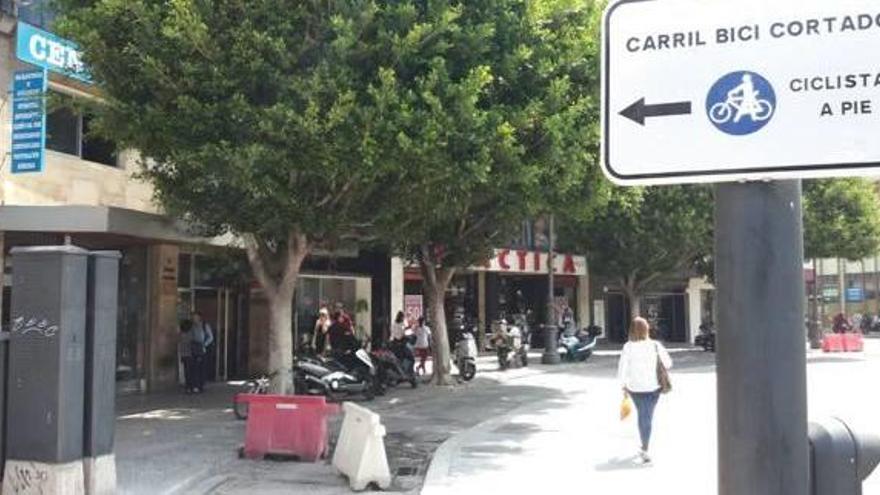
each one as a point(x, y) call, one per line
point(360, 451)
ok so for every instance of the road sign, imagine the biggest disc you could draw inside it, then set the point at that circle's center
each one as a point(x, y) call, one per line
point(28, 121)
point(717, 90)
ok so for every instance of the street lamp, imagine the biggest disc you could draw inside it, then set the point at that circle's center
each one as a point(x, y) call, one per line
point(550, 355)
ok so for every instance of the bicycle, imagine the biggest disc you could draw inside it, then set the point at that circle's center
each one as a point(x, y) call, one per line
point(723, 111)
point(255, 386)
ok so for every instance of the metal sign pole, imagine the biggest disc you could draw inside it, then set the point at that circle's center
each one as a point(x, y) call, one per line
point(762, 391)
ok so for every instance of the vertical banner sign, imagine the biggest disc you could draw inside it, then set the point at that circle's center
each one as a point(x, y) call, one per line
point(28, 121)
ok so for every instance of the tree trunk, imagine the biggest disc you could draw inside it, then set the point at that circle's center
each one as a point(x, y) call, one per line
point(281, 342)
point(442, 357)
point(633, 300)
point(435, 281)
point(276, 266)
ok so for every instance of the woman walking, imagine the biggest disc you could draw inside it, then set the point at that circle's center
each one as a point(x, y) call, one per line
point(638, 373)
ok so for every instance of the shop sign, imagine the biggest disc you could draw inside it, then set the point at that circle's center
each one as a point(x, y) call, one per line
point(533, 262)
point(28, 121)
point(412, 308)
point(830, 292)
point(855, 294)
point(44, 49)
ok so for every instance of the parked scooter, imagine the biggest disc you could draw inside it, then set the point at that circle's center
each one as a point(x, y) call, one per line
point(706, 338)
point(317, 376)
point(466, 356)
point(580, 346)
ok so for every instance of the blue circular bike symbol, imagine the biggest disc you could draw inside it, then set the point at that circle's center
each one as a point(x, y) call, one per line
point(741, 103)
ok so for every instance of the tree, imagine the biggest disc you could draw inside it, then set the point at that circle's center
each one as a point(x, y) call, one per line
point(643, 234)
point(646, 233)
point(493, 114)
point(841, 220)
point(254, 118)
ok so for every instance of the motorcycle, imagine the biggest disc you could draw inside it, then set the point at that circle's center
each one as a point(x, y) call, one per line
point(580, 346)
point(706, 338)
point(466, 356)
point(324, 377)
point(391, 371)
point(510, 346)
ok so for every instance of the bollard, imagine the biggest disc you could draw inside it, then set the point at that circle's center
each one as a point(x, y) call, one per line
point(841, 457)
point(360, 451)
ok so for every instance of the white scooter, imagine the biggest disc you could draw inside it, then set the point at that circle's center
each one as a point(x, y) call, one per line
point(466, 356)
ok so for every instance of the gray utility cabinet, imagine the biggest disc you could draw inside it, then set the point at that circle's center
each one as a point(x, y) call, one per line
point(47, 354)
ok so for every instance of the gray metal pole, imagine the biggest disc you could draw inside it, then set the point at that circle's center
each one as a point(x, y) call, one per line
point(551, 331)
point(762, 395)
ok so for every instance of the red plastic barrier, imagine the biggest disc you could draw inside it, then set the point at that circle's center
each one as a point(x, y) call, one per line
point(852, 342)
point(832, 342)
point(289, 425)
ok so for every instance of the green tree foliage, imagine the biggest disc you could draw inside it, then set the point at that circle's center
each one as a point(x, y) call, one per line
point(294, 124)
point(643, 234)
point(646, 233)
point(493, 110)
point(254, 117)
point(841, 219)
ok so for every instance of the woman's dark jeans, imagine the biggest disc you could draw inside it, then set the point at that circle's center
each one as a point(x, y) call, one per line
point(645, 403)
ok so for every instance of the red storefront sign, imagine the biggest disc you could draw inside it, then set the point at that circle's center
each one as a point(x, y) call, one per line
point(533, 262)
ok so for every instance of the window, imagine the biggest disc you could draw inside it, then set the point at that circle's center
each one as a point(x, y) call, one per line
point(68, 132)
point(36, 12)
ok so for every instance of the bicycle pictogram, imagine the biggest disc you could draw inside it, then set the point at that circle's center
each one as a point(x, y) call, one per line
point(741, 103)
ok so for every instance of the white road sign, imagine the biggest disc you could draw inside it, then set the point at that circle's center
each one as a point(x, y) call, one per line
point(725, 90)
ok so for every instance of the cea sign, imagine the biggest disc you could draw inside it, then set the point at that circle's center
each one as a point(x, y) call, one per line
point(44, 49)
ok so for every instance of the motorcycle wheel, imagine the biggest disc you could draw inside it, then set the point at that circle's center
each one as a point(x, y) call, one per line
point(413, 382)
point(468, 371)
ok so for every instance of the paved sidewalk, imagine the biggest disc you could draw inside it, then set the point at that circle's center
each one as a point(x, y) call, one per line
point(577, 443)
point(187, 444)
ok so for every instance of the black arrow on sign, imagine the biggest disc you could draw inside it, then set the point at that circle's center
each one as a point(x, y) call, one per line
point(638, 110)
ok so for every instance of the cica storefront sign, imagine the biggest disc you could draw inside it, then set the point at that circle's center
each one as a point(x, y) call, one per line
point(28, 121)
point(44, 49)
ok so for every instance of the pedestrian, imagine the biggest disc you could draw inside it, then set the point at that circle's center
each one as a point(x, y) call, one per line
point(342, 339)
point(185, 349)
point(638, 373)
point(841, 324)
point(202, 338)
point(423, 343)
point(320, 341)
point(398, 328)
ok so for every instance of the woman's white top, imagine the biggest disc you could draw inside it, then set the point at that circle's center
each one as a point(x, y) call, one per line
point(398, 331)
point(637, 370)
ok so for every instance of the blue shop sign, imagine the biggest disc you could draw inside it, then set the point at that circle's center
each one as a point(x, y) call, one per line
point(855, 294)
point(44, 49)
point(28, 121)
